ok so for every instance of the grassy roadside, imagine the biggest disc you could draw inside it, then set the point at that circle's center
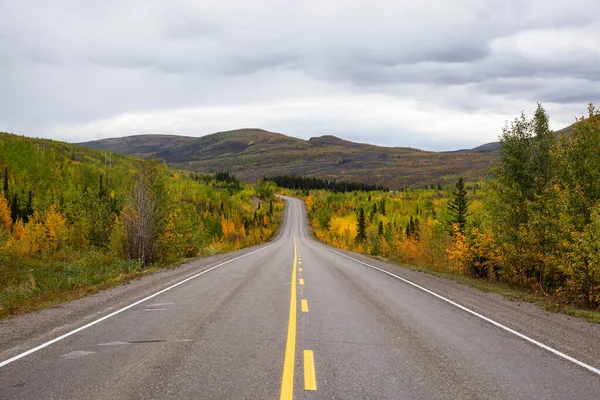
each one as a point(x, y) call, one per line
point(19, 303)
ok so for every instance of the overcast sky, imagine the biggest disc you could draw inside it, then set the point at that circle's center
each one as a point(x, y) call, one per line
point(431, 74)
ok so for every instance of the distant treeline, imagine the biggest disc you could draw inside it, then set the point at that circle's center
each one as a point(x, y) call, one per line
point(312, 183)
point(220, 179)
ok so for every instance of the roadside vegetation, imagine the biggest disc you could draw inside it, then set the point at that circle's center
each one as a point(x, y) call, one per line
point(532, 230)
point(74, 220)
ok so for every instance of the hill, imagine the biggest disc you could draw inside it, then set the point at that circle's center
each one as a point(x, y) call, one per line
point(253, 153)
point(70, 218)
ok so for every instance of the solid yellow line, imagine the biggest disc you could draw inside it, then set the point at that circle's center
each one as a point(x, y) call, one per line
point(301, 281)
point(304, 305)
point(287, 381)
point(310, 381)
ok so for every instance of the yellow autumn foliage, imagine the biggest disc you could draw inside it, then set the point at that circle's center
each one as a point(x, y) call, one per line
point(5, 219)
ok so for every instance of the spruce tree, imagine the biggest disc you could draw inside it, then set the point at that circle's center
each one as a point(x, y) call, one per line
point(6, 183)
point(458, 206)
point(361, 234)
point(15, 208)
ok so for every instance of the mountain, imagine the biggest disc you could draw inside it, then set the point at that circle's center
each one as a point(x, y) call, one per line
point(251, 154)
point(138, 145)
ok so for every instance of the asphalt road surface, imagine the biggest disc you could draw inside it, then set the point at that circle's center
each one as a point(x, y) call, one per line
point(296, 318)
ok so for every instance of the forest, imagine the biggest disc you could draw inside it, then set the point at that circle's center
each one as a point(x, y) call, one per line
point(534, 224)
point(75, 220)
point(305, 183)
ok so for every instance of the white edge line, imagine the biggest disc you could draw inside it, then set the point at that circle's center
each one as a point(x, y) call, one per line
point(491, 321)
point(81, 328)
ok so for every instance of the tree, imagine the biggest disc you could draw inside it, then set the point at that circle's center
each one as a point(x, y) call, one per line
point(544, 141)
point(146, 214)
point(524, 172)
point(458, 207)
point(5, 218)
point(583, 264)
point(15, 207)
point(580, 166)
point(412, 228)
point(5, 187)
point(526, 202)
point(361, 234)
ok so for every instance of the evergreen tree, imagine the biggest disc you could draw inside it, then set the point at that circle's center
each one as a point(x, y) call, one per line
point(28, 212)
point(361, 234)
point(458, 206)
point(416, 229)
point(412, 228)
point(5, 182)
point(101, 192)
point(380, 231)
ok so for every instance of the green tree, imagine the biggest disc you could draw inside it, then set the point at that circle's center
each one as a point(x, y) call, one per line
point(524, 172)
point(458, 207)
point(580, 166)
point(5, 186)
point(525, 201)
point(361, 233)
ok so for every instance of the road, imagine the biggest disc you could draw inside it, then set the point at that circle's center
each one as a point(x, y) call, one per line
point(296, 318)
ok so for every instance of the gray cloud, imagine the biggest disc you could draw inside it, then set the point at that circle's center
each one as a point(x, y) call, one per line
point(381, 71)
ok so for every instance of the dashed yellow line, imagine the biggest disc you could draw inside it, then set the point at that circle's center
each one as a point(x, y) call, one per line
point(300, 269)
point(304, 305)
point(301, 281)
point(310, 380)
point(287, 380)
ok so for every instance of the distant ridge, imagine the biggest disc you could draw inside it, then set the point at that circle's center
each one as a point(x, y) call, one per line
point(252, 153)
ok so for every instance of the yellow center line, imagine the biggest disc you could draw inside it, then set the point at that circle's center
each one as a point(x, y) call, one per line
point(287, 381)
point(310, 381)
point(304, 305)
point(300, 269)
point(301, 281)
